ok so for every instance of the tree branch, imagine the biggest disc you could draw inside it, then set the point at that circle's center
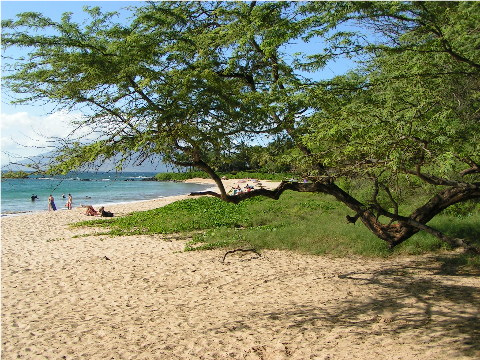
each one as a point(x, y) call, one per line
point(453, 241)
point(434, 180)
point(247, 77)
point(240, 250)
point(474, 167)
point(143, 95)
point(111, 112)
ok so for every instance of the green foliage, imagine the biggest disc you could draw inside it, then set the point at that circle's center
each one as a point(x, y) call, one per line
point(464, 209)
point(235, 175)
point(308, 223)
point(187, 215)
point(15, 175)
point(193, 80)
point(415, 102)
point(180, 176)
point(204, 83)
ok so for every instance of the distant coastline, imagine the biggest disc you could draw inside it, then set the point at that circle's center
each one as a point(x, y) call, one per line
point(99, 188)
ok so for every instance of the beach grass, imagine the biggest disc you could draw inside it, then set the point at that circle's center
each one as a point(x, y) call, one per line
point(302, 222)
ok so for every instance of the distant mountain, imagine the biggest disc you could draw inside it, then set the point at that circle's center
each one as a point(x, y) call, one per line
point(152, 164)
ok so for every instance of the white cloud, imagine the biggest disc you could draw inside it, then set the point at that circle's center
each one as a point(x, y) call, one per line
point(24, 135)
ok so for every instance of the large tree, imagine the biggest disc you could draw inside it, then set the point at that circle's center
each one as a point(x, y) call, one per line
point(193, 81)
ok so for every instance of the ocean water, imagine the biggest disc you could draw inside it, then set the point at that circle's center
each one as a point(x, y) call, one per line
point(86, 189)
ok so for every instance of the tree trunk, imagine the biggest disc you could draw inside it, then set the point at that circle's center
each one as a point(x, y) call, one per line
point(393, 233)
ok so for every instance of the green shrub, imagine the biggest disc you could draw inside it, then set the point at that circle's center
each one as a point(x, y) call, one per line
point(181, 176)
point(236, 175)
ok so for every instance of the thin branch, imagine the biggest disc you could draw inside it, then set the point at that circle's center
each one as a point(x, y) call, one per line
point(247, 77)
point(392, 200)
point(240, 250)
point(139, 91)
point(434, 180)
point(447, 47)
point(474, 167)
point(111, 112)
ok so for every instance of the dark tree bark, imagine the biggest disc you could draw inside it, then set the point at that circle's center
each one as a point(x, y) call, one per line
point(393, 233)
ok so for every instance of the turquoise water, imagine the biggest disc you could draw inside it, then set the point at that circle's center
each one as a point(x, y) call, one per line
point(86, 189)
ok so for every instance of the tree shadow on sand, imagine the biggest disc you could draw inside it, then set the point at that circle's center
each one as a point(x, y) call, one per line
point(423, 295)
point(415, 299)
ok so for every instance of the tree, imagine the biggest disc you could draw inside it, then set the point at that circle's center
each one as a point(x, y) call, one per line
point(194, 80)
point(413, 111)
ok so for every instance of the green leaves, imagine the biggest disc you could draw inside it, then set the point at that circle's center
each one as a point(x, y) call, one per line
point(201, 80)
point(183, 216)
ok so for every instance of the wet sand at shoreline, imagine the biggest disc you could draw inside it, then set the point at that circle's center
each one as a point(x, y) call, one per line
point(142, 297)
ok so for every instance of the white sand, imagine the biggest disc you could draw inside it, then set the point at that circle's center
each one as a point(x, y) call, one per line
point(141, 297)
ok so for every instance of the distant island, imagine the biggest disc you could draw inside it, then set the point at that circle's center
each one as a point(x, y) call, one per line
point(15, 175)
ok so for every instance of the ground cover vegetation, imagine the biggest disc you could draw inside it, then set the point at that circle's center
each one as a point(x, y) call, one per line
point(200, 83)
point(308, 222)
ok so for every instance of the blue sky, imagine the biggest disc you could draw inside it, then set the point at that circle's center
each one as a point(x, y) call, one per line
point(26, 129)
point(54, 10)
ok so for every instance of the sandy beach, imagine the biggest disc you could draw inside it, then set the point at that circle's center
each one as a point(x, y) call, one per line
point(142, 297)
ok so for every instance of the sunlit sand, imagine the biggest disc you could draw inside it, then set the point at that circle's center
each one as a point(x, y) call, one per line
point(142, 297)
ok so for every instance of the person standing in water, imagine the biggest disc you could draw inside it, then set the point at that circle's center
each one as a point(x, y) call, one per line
point(69, 202)
point(51, 203)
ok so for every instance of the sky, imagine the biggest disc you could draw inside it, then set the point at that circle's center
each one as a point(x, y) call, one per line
point(26, 130)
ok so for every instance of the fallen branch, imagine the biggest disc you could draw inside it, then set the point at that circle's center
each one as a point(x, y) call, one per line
point(240, 250)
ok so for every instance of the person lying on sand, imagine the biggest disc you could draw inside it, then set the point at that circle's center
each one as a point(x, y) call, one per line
point(235, 190)
point(90, 210)
point(105, 213)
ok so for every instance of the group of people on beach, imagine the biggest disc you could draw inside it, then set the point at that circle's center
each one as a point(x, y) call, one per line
point(89, 212)
point(92, 212)
point(237, 189)
point(51, 202)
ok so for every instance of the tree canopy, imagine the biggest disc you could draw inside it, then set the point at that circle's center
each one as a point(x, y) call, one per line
point(196, 81)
